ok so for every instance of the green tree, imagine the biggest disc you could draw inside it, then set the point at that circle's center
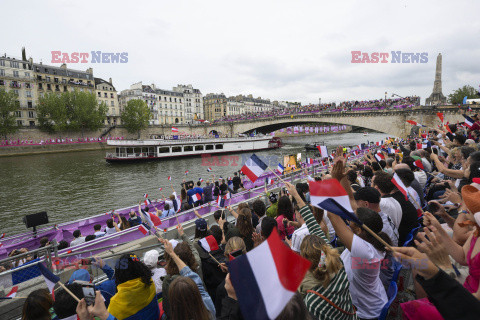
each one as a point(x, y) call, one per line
point(135, 116)
point(74, 111)
point(8, 105)
point(456, 97)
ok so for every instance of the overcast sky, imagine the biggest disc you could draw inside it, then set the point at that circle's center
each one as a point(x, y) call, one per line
point(280, 50)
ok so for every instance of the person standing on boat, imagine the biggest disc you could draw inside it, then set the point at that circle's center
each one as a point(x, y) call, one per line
point(223, 188)
point(167, 211)
point(134, 220)
point(198, 190)
point(236, 181)
point(190, 193)
point(208, 192)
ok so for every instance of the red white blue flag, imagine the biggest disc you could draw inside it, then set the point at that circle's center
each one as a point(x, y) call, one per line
point(169, 178)
point(379, 156)
point(329, 195)
point(209, 169)
point(50, 278)
point(400, 186)
point(208, 243)
point(254, 168)
point(280, 168)
point(266, 278)
point(323, 151)
point(196, 197)
point(468, 121)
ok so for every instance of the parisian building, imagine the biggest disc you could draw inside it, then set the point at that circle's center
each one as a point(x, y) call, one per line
point(106, 92)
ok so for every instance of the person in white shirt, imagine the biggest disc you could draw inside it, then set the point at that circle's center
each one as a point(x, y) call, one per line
point(111, 227)
point(78, 238)
point(150, 259)
point(369, 197)
point(362, 260)
point(98, 231)
point(300, 233)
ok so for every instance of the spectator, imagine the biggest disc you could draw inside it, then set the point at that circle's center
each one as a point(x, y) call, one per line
point(62, 245)
point(167, 211)
point(272, 209)
point(37, 305)
point(98, 231)
point(259, 210)
point(151, 261)
point(134, 220)
point(236, 181)
point(212, 273)
point(284, 214)
point(90, 237)
point(65, 306)
point(208, 192)
point(78, 238)
point(111, 227)
point(268, 225)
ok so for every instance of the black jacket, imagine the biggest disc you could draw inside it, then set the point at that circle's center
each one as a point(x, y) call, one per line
point(450, 298)
point(409, 217)
point(212, 273)
point(230, 310)
point(236, 182)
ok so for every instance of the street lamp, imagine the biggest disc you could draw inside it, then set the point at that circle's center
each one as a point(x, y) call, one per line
point(385, 96)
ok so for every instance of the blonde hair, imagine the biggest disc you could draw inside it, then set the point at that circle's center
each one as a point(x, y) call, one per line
point(311, 249)
point(235, 244)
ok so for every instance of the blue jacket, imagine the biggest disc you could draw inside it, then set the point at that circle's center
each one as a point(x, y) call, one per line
point(187, 272)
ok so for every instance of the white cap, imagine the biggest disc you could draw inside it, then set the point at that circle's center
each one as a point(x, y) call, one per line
point(151, 258)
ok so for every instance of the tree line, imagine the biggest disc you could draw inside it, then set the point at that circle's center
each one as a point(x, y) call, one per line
point(73, 111)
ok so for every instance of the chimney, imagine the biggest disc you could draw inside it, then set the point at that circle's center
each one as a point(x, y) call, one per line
point(63, 66)
point(89, 70)
point(110, 80)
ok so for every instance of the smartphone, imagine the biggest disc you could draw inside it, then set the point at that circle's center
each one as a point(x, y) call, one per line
point(88, 292)
point(223, 215)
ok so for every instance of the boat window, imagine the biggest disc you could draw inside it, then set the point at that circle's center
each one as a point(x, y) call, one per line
point(218, 146)
point(188, 148)
point(198, 148)
point(209, 147)
point(176, 149)
point(164, 150)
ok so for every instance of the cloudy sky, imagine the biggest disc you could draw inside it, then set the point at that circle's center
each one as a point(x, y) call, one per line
point(281, 50)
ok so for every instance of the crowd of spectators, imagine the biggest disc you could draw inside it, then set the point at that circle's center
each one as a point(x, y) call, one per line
point(31, 142)
point(367, 105)
point(422, 199)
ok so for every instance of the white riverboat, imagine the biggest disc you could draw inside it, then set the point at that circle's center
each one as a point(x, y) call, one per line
point(158, 149)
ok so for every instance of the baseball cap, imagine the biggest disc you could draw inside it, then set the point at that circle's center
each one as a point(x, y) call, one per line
point(201, 224)
point(368, 194)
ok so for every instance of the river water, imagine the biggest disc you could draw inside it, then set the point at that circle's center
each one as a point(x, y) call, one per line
point(73, 185)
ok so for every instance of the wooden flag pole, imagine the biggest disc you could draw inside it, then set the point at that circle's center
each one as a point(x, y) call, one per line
point(389, 247)
point(276, 175)
point(68, 291)
point(414, 200)
point(213, 258)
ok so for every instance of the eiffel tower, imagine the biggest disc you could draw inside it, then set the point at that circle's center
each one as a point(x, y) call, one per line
point(437, 97)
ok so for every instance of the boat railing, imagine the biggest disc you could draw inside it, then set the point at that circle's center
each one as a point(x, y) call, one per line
point(180, 141)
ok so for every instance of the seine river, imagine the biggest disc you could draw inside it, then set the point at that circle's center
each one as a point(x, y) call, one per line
point(79, 184)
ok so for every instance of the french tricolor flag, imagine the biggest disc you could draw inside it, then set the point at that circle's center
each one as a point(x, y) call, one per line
point(254, 167)
point(266, 278)
point(426, 145)
point(201, 180)
point(50, 278)
point(186, 172)
point(379, 156)
point(174, 129)
point(12, 293)
point(143, 229)
point(419, 164)
point(148, 201)
point(270, 181)
point(209, 169)
point(309, 161)
point(145, 195)
point(208, 244)
point(468, 121)
point(220, 201)
point(323, 151)
point(196, 197)
point(329, 195)
point(415, 123)
point(280, 168)
point(169, 178)
point(400, 186)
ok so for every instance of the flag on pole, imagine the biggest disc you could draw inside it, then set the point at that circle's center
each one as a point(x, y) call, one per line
point(145, 195)
point(220, 201)
point(309, 160)
point(208, 243)
point(270, 181)
point(12, 293)
point(400, 186)
point(323, 151)
point(2, 236)
point(186, 172)
point(209, 169)
point(227, 196)
point(49, 277)
point(329, 195)
point(266, 278)
point(174, 129)
point(253, 168)
point(201, 180)
point(379, 156)
point(147, 202)
point(160, 189)
point(415, 123)
point(426, 145)
point(440, 116)
point(169, 178)
point(419, 164)
point(468, 121)
point(143, 229)
point(280, 168)
point(196, 197)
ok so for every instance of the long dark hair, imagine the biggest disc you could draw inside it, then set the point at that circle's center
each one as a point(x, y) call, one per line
point(244, 222)
point(37, 305)
point(183, 194)
point(183, 251)
point(130, 267)
point(373, 220)
point(185, 300)
point(285, 207)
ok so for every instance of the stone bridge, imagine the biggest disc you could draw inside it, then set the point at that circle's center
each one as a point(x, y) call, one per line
point(391, 122)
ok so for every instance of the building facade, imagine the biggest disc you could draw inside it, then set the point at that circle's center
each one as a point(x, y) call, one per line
point(105, 92)
point(167, 107)
point(234, 107)
point(17, 75)
point(215, 106)
point(193, 101)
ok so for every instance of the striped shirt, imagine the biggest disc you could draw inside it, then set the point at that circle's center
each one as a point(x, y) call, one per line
point(337, 290)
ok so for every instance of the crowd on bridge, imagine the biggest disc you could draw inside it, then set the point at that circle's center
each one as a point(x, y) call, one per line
point(367, 105)
point(402, 222)
point(55, 141)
